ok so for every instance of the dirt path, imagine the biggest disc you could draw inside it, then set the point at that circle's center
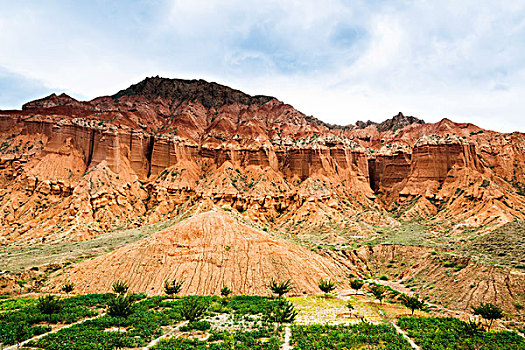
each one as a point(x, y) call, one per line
point(14, 347)
point(164, 336)
point(287, 336)
point(402, 332)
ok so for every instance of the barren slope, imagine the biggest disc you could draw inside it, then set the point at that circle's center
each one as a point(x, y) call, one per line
point(209, 251)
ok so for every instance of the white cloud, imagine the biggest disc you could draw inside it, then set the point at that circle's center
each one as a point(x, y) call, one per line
point(339, 60)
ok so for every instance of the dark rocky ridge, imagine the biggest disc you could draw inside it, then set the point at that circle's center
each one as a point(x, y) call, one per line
point(398, 121)
point(208, 94)
point(51, 101)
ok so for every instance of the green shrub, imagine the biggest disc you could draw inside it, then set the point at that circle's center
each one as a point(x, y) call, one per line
point(326, 286)
point(121, 306)
point(225, 291)
point(412, 302)
point(120, 287)
point(198, 325)
point(194, 307)
point(356, 284)
point(448, 333)
point(378, 292)
point(49, 304)
point(489, 312)
point(280, 288)
point(68, 287)
point(173, 287)
point(281, 312)
point(358, 336)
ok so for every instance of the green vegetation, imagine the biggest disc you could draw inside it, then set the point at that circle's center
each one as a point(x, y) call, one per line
point(121, 306)
point(281, 312)
point(197, 325)
point(49, 304)
point(326, 286)
point(356, 284)
point(38, 314)
point(140, 328)
point(120, 287)
point(249, 304)
point(173, 287)
point(450, 334)
point(236, 322)
point(225, 291)
point(263, 338)
point(21, 284)
point(68, 287)
point(412, 302)
point(359, 336)
point(488, 312)
point(13, 304)
point(280, 288)
point(378, 292)
point(194, 307)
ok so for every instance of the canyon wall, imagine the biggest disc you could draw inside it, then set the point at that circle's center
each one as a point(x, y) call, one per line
point(71, 170)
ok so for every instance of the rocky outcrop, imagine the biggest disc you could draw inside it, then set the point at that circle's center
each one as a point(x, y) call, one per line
point(53, 100)
point(180, 90)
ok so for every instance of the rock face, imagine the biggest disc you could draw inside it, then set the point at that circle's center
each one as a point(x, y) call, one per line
point(208, 251)
point(70, 170)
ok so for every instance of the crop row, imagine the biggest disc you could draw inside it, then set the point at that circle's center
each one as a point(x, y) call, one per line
point(360, 335)
point(263, 338)
point(447, 333)
point(26, 313)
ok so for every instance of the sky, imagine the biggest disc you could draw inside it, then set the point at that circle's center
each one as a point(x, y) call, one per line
point(339, 60)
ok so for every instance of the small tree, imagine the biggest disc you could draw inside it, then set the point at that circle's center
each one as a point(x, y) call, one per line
point(173, 287)
point(68, 287)
point(281, 311)
point(193, 308)
point(280, 288)
point(120, 306)
point(356, 284)
point(49, 304)
point(21, 284)
point(378, 292)
point(488, 312)
point(412, 302)
point(120, 287)
point(326, 286)
point(225, 291)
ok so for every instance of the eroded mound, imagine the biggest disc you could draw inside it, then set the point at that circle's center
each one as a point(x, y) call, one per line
point(209, 251)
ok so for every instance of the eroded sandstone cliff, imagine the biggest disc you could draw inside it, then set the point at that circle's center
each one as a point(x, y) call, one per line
point(70, 170)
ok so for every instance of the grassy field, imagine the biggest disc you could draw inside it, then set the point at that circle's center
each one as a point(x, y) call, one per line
point(15, 259)
point(85, 322)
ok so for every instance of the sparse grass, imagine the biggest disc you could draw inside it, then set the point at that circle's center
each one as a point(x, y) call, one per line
point(15, 260)
point(409, 233)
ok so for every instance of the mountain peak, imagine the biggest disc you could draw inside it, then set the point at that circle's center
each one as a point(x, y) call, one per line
point(209, 94)
point(50, 101)
point(398, 121)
